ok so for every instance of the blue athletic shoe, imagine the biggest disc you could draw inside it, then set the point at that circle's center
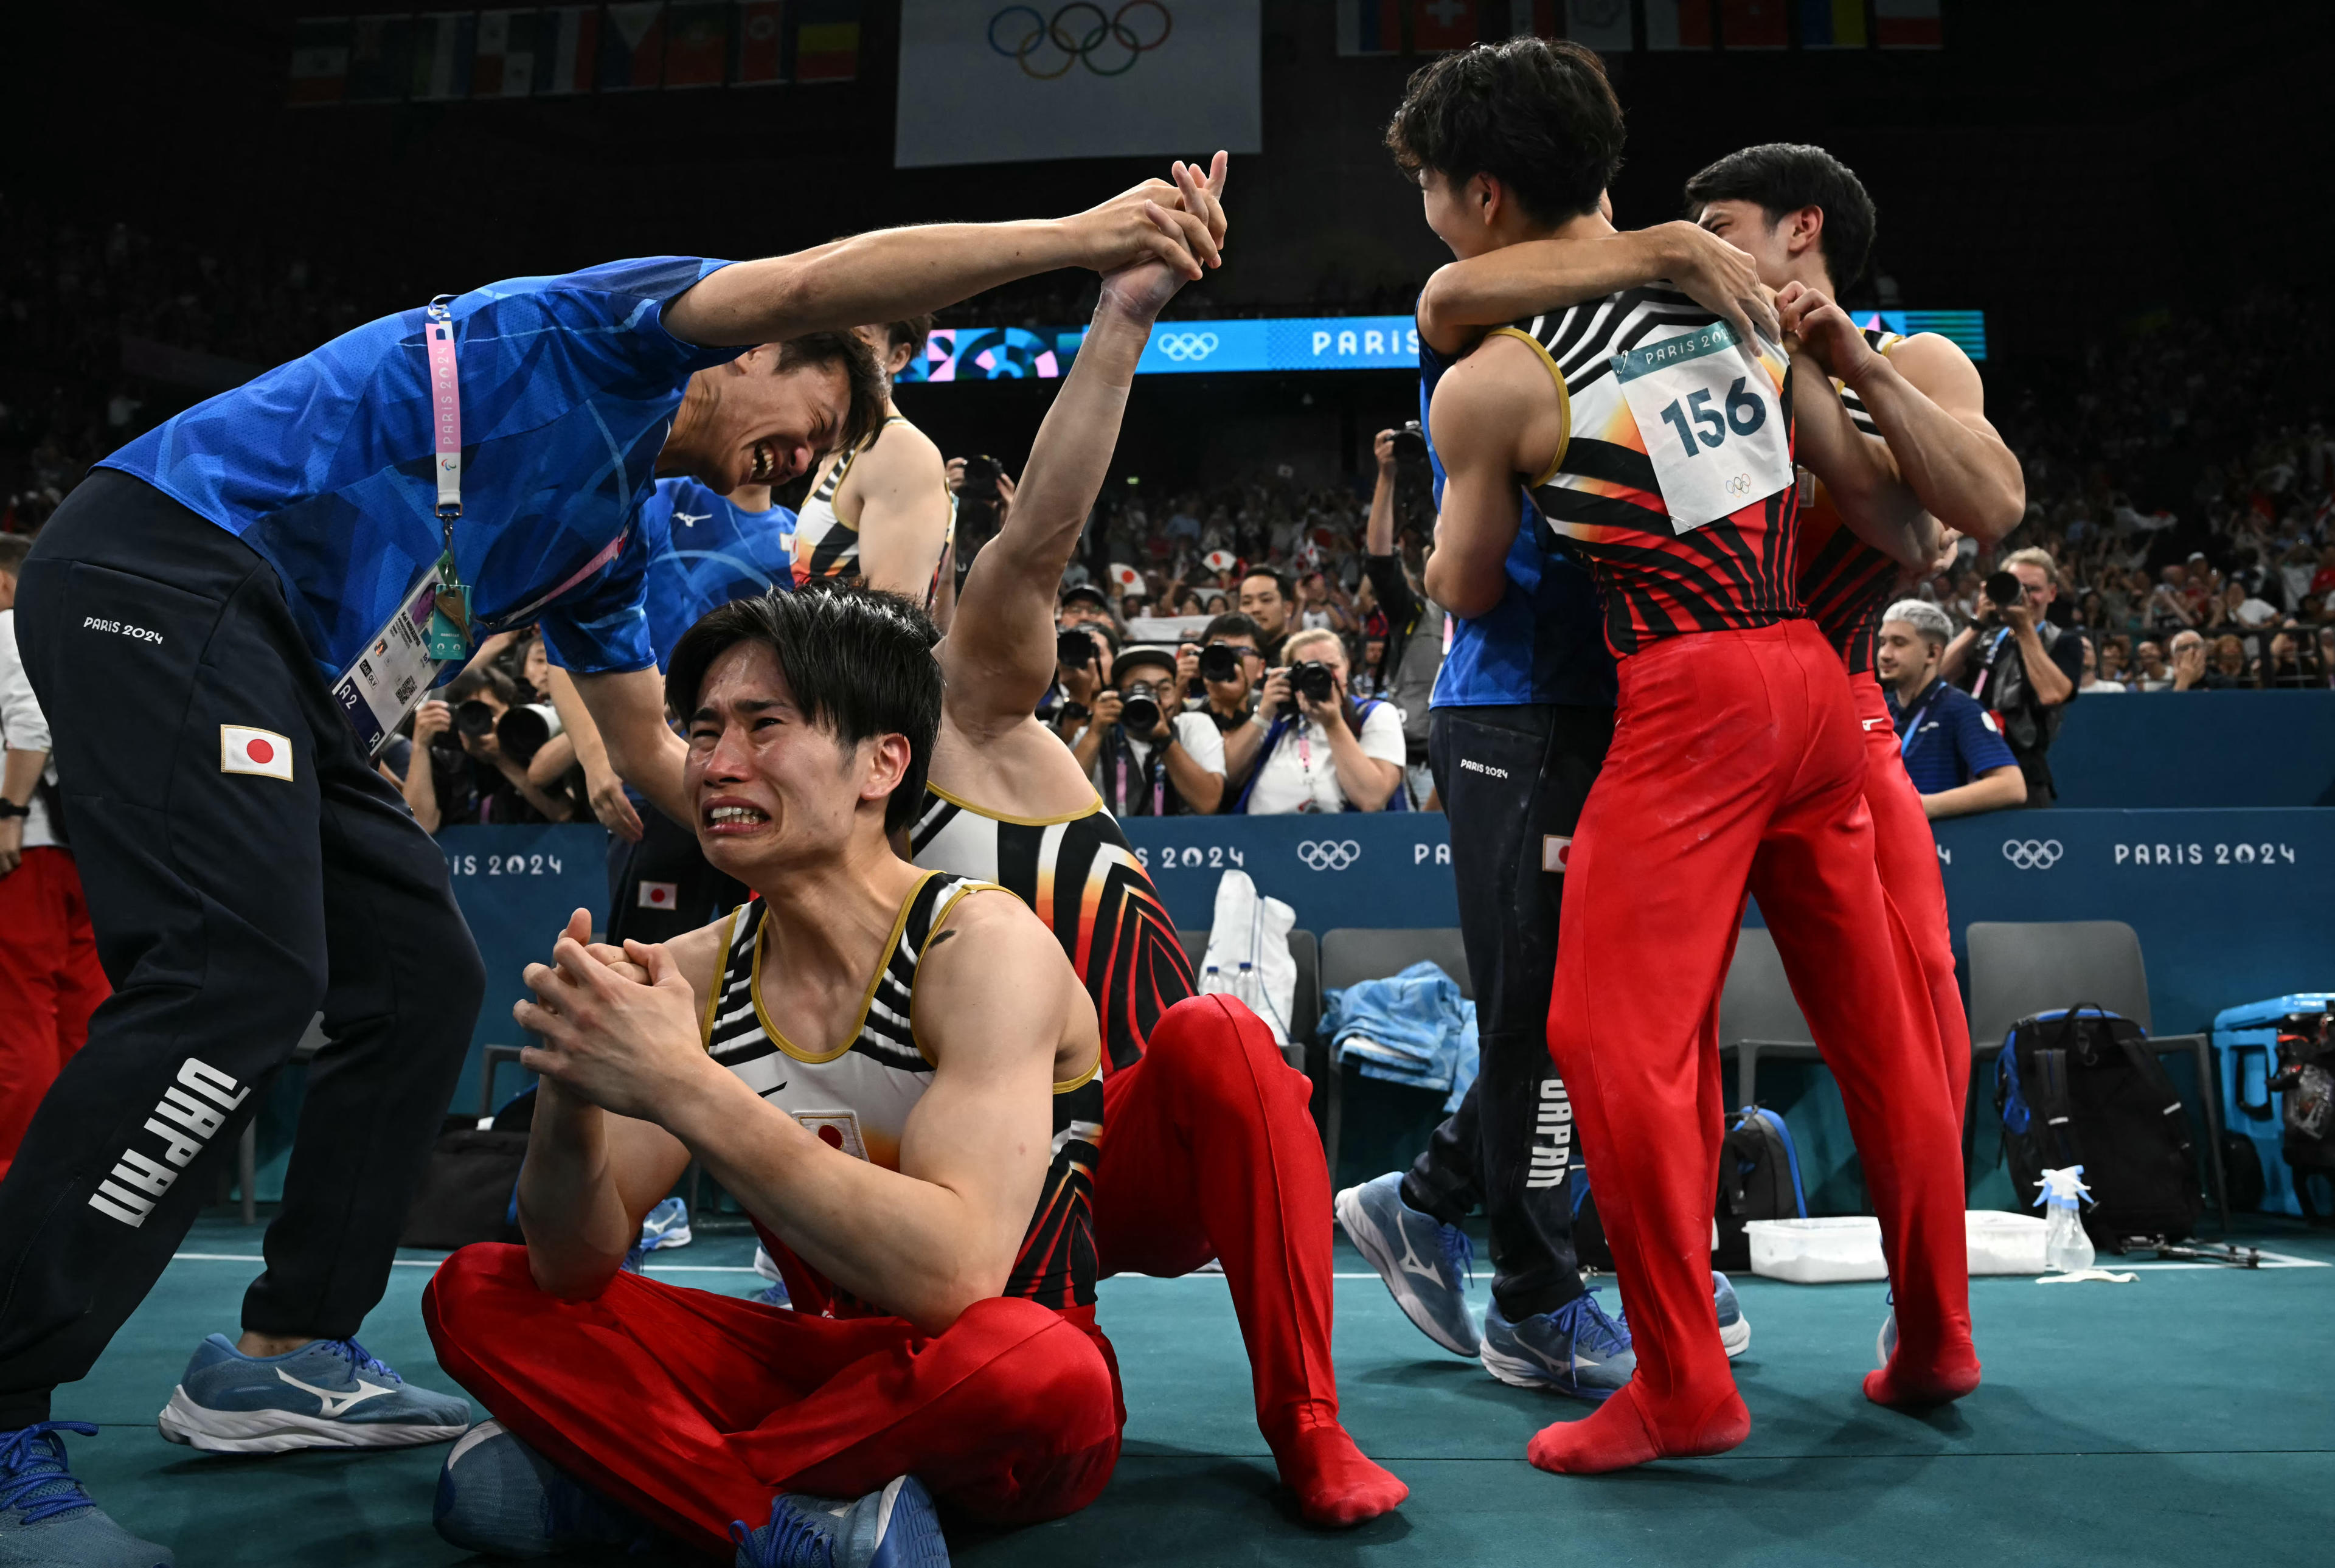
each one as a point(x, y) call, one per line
point(497, 1495)
point(1426, 1264)
point(665, 1225)
point(893, 1528)
point(327, 1394)
point(773, 1294)
point(47, 1521)
point(1576, 1349)
point(1734, 1328)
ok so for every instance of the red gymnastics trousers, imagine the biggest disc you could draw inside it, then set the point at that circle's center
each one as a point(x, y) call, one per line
point(1209, 1150)
point(1737, 765)
point(695, 1410)
point(1906, 853)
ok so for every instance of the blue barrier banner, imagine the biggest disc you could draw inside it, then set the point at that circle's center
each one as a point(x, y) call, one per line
point(2172, 750)
point(1355, 868)
point(516, 886)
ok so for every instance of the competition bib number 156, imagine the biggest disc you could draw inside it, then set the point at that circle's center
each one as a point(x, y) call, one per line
point(1706, 411)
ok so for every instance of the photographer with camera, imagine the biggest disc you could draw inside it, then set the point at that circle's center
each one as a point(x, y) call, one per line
point(1321, 751)
point(465, 768)
point(1219, 675)
point(1147, 756)
point(1414, 636)
point(1083, 651)
point(2013, 659)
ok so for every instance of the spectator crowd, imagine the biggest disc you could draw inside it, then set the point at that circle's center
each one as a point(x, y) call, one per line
point(1264, 645)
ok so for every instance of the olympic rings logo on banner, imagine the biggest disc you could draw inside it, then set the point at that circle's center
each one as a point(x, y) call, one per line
point(1329, 854)
point(1740, 484)
point(2032, 855)
point(1082, 34)
point(1181, 346)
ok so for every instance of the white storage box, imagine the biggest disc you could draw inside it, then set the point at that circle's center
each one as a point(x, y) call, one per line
point(1823, 1252)
point(2004, 1244)
point(1818, 1252)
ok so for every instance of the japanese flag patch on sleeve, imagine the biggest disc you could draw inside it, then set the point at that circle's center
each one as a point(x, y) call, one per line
point(244, 750)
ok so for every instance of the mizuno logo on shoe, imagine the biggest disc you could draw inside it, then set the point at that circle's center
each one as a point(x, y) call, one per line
point(335, 1405)
point(1410, 1264)
point(184, 1124)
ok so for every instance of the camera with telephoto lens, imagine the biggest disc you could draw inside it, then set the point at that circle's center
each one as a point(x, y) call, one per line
point(1313, 680)
point(1411, 441)
point(1074, 647)
point(474, 718)
point(1220, 662)
point(980, 485)
point(1138, 707)
point(2002, 590)
point(524, 731)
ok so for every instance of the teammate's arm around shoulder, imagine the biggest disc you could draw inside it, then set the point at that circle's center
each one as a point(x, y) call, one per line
point(904, 510)
point(1463, 298)
point(1498, 420)
point(1929, 404)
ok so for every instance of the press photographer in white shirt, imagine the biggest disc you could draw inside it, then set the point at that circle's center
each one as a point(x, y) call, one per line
point(1320, 753)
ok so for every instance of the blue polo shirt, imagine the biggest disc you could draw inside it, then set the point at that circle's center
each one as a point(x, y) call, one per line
point(1947, 737)
point(703, 551)
point(325, 466)
point(1544, 640)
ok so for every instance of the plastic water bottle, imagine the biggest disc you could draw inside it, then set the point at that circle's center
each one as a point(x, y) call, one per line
point(1245, 987)
point(1212, 980)
point(2066, 1247)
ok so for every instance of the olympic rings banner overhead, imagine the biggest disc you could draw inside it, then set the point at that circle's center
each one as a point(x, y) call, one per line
point(1178, 348)
point(982, 82)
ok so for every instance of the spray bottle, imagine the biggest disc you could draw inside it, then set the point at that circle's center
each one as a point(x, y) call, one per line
point(2066, 1247)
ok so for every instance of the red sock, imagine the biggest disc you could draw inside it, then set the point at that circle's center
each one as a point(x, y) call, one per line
point(1337, 1485)
point(1620, 1434)
point(1903, 1386)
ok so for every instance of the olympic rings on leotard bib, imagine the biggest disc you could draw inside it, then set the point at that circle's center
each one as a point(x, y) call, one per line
point(1080, 35)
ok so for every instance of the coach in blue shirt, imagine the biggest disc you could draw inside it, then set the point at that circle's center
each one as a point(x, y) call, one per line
point(224, 622)
point(1955, 751)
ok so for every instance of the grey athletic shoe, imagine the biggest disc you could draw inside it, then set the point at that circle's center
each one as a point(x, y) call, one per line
point(893, 1528)
point(1734, 1328)
point(47, 1521)
point(1576, 1349)
point(327, 1394)
point(1426, 1264)
point(497, 1495)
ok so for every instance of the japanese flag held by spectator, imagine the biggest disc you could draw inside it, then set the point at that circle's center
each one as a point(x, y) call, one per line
point(1124, 578)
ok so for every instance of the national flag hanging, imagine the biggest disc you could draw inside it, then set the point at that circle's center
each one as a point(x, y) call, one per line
point(1370, 26)
point(1678, 24)
point(1753, 25)
point(697, 42)
point(632, 47)
point(381, 59)
point(505, 67)
point(320, 61)
point(1832, 24)
point(1437, 25)
point(825, 34)
point(1525, 19)
point(567, 47)
point(1602, 25)
point(757, 52)
point(1908, 25)
point(444, 43)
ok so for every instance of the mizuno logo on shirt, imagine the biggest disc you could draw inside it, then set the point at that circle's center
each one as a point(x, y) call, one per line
point(1872, 724)
point(184, 1124)
point(680, 517)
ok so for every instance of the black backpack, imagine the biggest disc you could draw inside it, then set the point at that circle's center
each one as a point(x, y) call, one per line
point(2076, 1085)
point(1759, 1179)
point(468, 1190)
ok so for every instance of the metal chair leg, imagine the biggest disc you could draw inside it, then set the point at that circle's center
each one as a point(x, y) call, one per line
point(247, 1170)
point(1336, 1116)
point(2209, 1088)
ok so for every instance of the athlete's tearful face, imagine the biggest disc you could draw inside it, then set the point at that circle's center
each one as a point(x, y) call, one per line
point(747, 422)
point(773, 789)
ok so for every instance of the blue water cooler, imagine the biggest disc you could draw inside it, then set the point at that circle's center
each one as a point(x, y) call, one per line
point(2245, 1043)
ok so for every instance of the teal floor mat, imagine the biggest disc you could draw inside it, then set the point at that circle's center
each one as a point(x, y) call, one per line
point(2186, 1417)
